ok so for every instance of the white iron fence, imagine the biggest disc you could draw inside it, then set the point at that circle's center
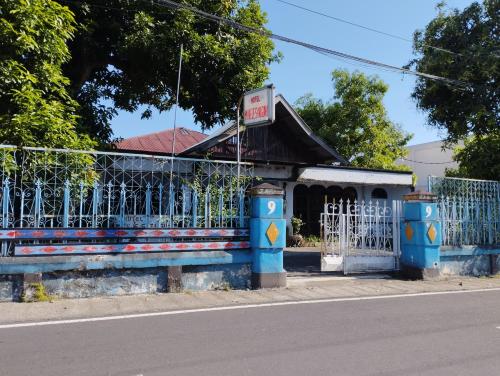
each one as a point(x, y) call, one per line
point(472, 189)
point(469, 221)
point(469, 210)
point(361, 229)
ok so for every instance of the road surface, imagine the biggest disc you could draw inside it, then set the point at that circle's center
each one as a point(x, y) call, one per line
point(449, 334)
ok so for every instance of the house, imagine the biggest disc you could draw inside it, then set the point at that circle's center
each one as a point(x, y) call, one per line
point(429, 159)
point(288, 154)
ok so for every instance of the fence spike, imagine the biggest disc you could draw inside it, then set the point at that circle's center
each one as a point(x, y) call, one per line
point(195, 208)
point(148, 204)
point(66, 203)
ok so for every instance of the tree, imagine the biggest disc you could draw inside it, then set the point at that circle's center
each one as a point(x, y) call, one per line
point(35, 107)
point(355, 123)
point(473, 110)
point(479, 158)
point(125, 56)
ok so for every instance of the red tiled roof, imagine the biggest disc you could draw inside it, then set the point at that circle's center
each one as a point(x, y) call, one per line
point(161, 142)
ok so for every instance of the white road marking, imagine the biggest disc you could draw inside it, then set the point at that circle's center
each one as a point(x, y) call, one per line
point(296, 280)
point(237, 307)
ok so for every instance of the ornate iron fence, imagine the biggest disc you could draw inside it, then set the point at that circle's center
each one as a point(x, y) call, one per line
point(466, 188)
point(67, 188)
point(361, 228)
point(469, 221)
point(469, 210)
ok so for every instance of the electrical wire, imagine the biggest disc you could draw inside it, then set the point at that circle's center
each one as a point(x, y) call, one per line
point(322, 50)
point(364, 27)
point(430, 163)
point(214, 18)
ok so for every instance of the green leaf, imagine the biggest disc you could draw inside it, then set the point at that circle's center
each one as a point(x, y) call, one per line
point(355, 122)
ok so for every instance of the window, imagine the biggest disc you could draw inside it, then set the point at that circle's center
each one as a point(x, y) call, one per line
point(379, 194)
point(349, 194)
point(334, 194)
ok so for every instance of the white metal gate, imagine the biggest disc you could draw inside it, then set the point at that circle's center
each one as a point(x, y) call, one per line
point(360, 237)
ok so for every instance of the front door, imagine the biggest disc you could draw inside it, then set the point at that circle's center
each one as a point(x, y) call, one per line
point(307, 205)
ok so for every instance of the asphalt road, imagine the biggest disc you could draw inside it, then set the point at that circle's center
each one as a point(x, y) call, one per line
point(452, 334)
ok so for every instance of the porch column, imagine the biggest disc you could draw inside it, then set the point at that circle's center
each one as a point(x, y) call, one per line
point(267, 236)
point(420, 236)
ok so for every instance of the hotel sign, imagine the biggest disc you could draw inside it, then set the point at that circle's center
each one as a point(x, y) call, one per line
point(258, 106)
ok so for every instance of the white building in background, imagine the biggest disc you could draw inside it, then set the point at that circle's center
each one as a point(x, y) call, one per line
point(428, 159)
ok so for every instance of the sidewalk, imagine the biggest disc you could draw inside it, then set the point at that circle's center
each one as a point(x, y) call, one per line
point(299, 288)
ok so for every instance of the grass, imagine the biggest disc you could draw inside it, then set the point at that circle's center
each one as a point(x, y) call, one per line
point(224, 286)
point(39, 294)
point(312, 241)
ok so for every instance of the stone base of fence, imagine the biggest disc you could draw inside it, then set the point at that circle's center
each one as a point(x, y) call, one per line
point(11, 287)
point(268, 280)
point(426, 274)
point(455, 261)
point(32, 278)
point(469, 260)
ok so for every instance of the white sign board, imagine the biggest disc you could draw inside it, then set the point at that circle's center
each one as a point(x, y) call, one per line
point(258, 106)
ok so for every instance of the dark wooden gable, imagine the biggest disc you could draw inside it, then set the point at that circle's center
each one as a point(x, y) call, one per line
point(267, 144)
point(287, 140)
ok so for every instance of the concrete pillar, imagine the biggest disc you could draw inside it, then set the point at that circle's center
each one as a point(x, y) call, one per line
point(267, 236)
point(420, 236)
point(31, 287)
point(174, 278)
point(494, 264)
point(288, 210)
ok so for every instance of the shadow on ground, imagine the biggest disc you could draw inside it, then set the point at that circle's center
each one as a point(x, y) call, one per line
point(302, 261)
point(306, 262)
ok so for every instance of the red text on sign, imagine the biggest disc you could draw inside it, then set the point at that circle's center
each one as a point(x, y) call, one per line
point(255, 99)
point(255, 113)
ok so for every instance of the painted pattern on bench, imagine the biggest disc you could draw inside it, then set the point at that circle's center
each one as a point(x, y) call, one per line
point(79, 233)
point(64, 249)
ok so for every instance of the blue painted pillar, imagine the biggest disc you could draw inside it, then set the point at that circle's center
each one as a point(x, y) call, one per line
point(420, 236)
point(267, 236)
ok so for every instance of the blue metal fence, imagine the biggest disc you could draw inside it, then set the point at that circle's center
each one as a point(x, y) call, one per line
point(49, 188)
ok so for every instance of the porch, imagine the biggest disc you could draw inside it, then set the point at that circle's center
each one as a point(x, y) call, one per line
point(319, 185)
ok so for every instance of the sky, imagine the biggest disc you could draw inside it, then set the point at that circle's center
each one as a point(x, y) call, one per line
point(303, 71)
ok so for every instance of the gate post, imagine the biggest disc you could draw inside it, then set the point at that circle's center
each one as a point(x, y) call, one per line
point(267, 236)
point(420, 236)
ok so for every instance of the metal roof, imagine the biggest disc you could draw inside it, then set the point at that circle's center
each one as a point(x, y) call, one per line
point(161, 142)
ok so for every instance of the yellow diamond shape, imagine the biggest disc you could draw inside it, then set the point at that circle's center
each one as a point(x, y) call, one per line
point(408, 231)
point(432, 233)
point(272, 233)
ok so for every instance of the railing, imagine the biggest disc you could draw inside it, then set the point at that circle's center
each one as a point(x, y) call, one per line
point(469, 221)
point(50, 188)
point(465, 188)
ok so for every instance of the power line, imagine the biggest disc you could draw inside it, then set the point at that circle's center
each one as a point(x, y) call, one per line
point(322, 50)
point(294, 5)
point(83, 2)
point(236, 25)
point(430, 163)
point(364, 27)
